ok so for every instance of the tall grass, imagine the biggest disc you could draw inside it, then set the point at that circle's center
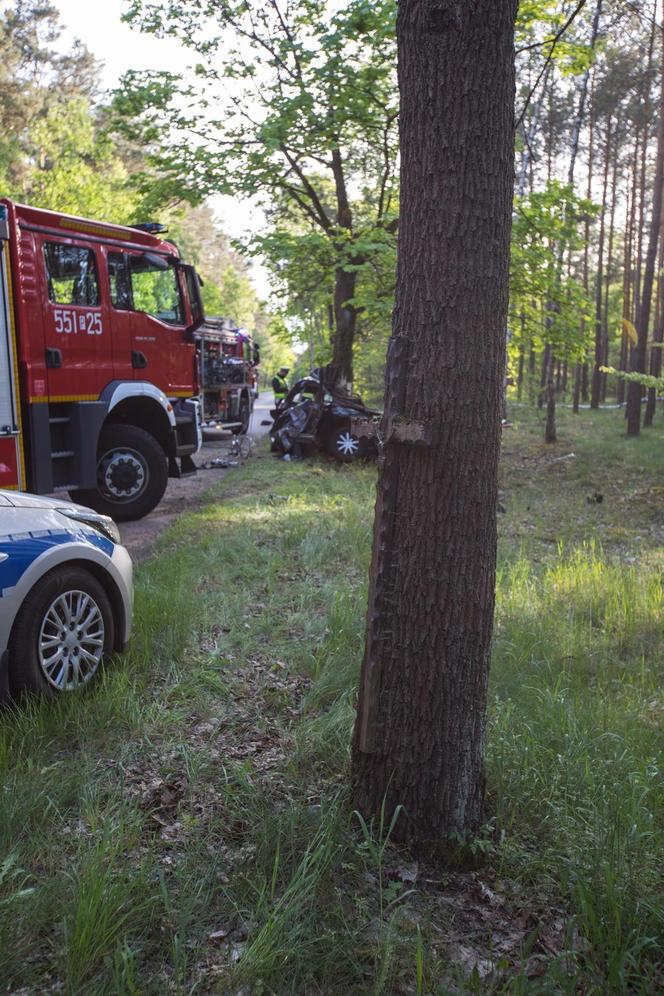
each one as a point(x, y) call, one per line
point(235, 705)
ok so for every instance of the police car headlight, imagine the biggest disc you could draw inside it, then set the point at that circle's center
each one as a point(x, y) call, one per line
point(102, 523)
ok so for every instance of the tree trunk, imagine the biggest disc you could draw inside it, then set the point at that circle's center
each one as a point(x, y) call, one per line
point(609, 266)
point(627, 290)
point(345, 314)
point(578, 376)
point(550, 428)
point(345, 322)
point(635, 391)
point(596, 392)
point(546, 356)
point(656, 353)
point(419, 735)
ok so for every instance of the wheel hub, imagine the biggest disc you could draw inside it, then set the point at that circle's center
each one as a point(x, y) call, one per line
point(123, 474)
point(347, 444)
point(71, 640)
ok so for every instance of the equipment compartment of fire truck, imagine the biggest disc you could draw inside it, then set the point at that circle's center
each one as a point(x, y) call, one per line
point(228, 374)
point(98, 361)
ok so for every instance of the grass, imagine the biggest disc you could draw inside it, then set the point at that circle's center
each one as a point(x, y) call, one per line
point(185, 826)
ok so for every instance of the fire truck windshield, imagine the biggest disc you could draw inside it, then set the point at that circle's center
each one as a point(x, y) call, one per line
point(155, 290)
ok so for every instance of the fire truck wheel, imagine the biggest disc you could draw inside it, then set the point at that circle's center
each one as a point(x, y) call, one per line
point(63, 632)
point(244, 417)
point(132, 474)
point(344, 445)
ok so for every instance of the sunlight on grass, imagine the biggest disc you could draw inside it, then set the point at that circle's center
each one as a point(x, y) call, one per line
point(201, 787)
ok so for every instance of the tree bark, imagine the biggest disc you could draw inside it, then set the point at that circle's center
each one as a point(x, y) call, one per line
point(635, 391)
point(578, 374)
point(596, 391)
point(550, 435)
point(419, 735)
point(609, 264)
point(345, 323)
point(628, 283)
point(656, 353)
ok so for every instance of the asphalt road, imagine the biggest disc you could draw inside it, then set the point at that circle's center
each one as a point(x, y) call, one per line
point(182, 494)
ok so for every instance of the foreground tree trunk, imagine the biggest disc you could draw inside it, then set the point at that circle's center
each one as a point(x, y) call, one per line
point(419, 735)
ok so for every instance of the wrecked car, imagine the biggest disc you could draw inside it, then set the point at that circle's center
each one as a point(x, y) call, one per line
point(318, 413)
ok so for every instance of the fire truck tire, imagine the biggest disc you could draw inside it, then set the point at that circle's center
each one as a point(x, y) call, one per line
point(132, 473)
point(344, 445)
point(50, 653)
point(244, 417)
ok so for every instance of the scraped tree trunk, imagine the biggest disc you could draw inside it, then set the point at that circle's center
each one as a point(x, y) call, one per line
point(419, 734)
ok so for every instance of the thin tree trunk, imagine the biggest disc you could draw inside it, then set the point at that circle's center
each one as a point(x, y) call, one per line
point(581, 369)
point(634, 391)
point(550, 428)
point(578, 377)
point(656, 353)
point(345, 323)
point(529, 136)
point(609, 266)
point(546, 357)
point(599, 342)
point(628, 280)
point(419, 735)
point(345, 314)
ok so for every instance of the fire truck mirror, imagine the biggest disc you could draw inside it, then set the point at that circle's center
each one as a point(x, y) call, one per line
point(257, 354)
point(194, 284)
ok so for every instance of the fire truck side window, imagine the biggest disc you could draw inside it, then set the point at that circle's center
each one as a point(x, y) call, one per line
point(71, 272)
point(194, 295)
point(155, 290)
point(119, 280)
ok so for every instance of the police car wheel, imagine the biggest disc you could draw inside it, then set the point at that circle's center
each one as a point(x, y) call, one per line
point(132, 474)
point(344, 445)
point(62, 633)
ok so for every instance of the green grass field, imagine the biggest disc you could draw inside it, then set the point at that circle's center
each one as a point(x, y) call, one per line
point(185, 827)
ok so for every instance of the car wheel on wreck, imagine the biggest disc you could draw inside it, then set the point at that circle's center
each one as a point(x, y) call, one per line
point(343, 444)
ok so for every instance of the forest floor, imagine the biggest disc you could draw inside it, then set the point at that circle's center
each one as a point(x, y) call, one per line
point(185, 827)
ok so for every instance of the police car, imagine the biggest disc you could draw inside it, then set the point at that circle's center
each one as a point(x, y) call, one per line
point(66, 594)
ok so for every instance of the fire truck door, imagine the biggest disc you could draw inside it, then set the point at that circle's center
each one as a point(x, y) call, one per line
point(77, 334)
point(159, 352)
point(10, 440)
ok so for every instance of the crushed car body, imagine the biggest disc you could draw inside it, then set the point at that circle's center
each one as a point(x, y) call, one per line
point(319, 414)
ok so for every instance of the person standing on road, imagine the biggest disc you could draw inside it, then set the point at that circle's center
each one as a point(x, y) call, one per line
point(280, 385)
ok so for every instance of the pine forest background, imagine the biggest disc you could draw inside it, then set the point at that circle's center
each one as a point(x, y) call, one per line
point(308, 128)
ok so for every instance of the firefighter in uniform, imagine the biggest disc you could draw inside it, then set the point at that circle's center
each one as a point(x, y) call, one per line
point(280, 385)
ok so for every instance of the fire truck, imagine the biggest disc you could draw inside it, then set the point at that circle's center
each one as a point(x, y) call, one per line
point(228, 374)
point(98, 360)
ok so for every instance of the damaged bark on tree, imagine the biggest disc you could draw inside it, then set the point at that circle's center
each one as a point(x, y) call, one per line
point(419, 735)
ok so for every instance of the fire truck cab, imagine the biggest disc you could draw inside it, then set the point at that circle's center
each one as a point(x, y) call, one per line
point(98, 368)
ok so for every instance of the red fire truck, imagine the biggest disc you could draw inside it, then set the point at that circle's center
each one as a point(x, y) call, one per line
point(98, 362)
point(228, 374)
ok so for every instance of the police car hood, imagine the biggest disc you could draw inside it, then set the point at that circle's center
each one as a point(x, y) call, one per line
point(20, 499)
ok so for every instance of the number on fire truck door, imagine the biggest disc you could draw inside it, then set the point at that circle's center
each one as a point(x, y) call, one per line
point(76, 339)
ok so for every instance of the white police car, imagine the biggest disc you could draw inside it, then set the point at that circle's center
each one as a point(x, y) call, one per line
point(66, 594)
